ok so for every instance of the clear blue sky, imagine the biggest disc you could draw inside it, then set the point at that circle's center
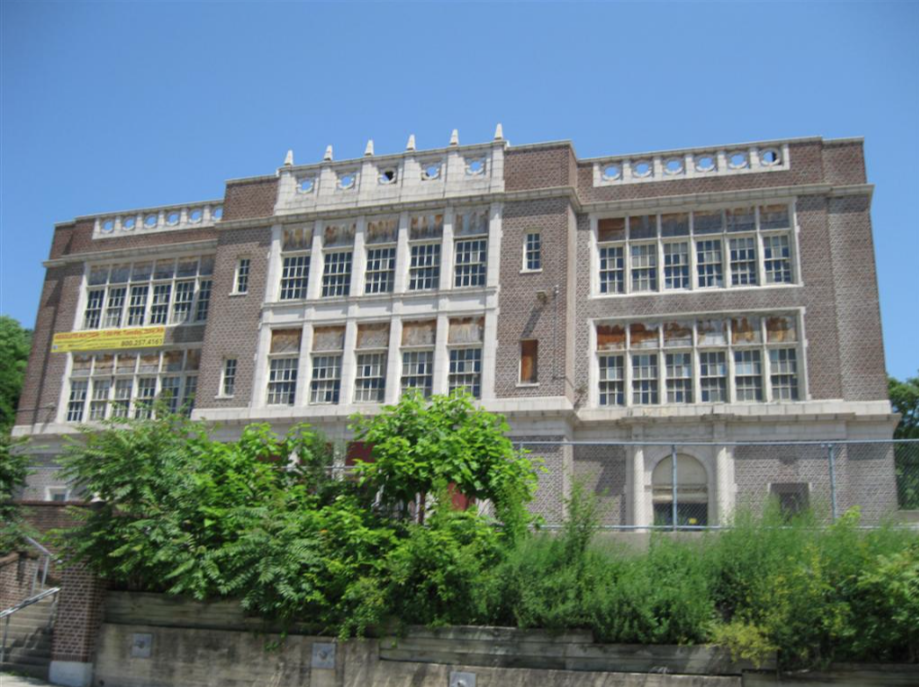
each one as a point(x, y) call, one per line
point(115, 105)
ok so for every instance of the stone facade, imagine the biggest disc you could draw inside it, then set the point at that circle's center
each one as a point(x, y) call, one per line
point(480, 208)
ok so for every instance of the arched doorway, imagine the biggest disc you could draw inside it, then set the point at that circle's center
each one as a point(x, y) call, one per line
point(692, 492)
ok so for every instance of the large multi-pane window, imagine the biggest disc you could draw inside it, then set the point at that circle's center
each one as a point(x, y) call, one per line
point(371, 353)
point(336, 274)
point(296, 244)
point(424, 269)
point(328, 346)
point(125, 384)
point(464, 342)
point(740, 358)
point(470, 260)
point(418, 339)
point(283, 366)
point(380, 273)
point(165, 291)
point(717, 248)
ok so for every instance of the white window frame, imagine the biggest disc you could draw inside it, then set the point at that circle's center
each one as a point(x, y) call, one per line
point(528, 250)
point(242, 272)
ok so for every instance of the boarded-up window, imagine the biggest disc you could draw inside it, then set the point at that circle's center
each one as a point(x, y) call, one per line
point(297, 238)
point(611, 229)
point(676, 224)
point(172, 361)
point(710, 333)
point(98, 275)
point(471, 222)
point(643, 335)
point(643, 227)
point(677, 334)
point(610, 337)
point(373, 335)
point(707, 222)
point(126, 364)
point(427, 226)
point(285, 340)
point(793, 497)
point(422, 333)
point(338, 234)
point(81, 365)
point(382, 230)
point(120, 274)
point(193, 359)
point(104, 364)
point(745, 330)
point(529, 361)
point(149, 362)
point(774, 217)
point(328, 338)
point(781, 329)
point(465, 330)
point(740, 219)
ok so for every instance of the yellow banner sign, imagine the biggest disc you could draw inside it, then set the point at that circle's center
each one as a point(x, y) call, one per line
point(106, 339)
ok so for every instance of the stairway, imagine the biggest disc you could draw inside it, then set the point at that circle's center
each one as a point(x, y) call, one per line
point(28, 642)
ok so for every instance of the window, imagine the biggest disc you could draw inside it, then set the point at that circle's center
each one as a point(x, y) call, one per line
point(336, 274)
point(679, 377)
point(381, 270)
point(166, 291)
point(644, 267)
point(242, 275)
point(424, 270)
point(295, 274)
point(676, 265)
point(612, 269)
point(471, 258)
point(612, 380)
point(529, 362)
point(721, 250)
point(532, 252)
point(58, 494)
point(112, 382)
point(743, 261)
point(464, 341)
point(783, 369)
point(418, 340)
point(706, 360)
point(692, 492)
point(708, 263)
point(328, 344)
point(748, 375)
point(793, 497)
point(777, 259)
point(283, 364)
point(370, 382)
point(228, 387)
point(644, 379)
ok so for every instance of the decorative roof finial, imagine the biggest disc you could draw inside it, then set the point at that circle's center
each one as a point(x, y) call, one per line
point(289, 159)
point(411, 143)
point(368, 151)
point(328, 154)
point(454, 138)
point(499, 132)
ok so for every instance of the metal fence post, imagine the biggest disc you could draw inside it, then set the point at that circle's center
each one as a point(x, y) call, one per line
point(673, 472)
point(831, 460)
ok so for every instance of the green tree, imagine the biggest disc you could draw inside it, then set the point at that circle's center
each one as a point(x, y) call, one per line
point(13, 471)
point(15, 343)
point(904, 397)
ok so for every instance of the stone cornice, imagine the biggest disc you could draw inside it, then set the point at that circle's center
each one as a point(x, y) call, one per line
point(128, 253)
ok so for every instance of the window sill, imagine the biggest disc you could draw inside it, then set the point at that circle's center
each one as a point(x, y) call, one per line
point(684, 292)
point(237, 294)
point(531, 271)
point(527, 385)
point(221, 397)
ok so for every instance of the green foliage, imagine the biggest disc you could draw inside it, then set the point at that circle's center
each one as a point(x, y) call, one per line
point(904, 397)
point(13, 473)
point(423, 447)
point(15, 343)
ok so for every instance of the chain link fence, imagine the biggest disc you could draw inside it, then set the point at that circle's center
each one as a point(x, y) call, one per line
point(698, 485)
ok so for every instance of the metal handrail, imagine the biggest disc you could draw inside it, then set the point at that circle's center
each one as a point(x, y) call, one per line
point(45, 557)
point(7, 615)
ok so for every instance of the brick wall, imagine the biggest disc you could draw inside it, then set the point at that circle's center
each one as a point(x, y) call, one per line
point(79, 615)
point(250, 198)
point(601, 470)
point(543, 166)
point(17, 571)
point(233, 321)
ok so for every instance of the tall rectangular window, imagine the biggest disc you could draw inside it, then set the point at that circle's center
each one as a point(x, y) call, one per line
point(99, 404)
point(336, 274)
point(783, 371)
point(612, 269)
point(181, 303)
point(169, 392)
point(159, 308)
point(470, 261)
point(424, 269)
point(122, 404)
point(370, 381)
point(77, 401)
point(644, 379)
point(679, 377)
point(529, 361)
point(676, 265)
point(138, 306)
point(644, 267)
point(295, 274)
point(242, 275)
point(283, 364)
point(228, 387)
point(146, 393)
point(418, 371)
point(777, 259)
point(204, 301)
point(93, 314)
point(326, 384)
point(532, 252)
point(466, 370)
point(381, 270)
point(713, 377)
point(743, 261)
point(709, 264)
point(612, 380)
point(748, 375)
point(115, 306)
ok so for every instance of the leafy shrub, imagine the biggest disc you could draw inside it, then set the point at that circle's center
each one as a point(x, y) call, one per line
point(13, 473)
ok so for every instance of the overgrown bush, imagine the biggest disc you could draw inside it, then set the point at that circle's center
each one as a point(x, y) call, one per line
point(13, 472)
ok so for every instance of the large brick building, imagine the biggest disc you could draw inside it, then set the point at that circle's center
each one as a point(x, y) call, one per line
point(719, 294)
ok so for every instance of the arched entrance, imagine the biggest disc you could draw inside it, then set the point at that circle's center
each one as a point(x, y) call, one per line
point(692, 492)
